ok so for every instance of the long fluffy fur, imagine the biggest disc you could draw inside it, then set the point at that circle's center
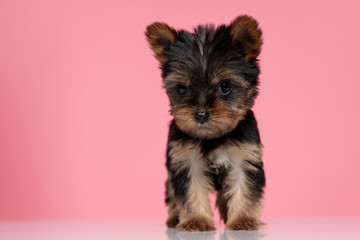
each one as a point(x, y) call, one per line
point(224, 152)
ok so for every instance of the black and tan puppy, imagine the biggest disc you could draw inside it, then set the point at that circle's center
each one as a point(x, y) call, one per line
point(211, 78)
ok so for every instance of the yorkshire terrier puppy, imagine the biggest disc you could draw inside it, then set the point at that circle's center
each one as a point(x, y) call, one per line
point(211, 78)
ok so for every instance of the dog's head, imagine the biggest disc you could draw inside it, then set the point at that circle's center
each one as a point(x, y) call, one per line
point(211, 75)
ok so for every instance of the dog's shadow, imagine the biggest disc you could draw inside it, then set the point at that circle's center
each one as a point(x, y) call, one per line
point(174, 234)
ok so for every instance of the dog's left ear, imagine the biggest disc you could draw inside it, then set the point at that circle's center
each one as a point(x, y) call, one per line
point(245, 30)
point(160, 37)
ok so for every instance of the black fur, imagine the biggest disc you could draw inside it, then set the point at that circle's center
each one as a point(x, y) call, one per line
point(217, 176)
point(256, 180)
point(178, 181)
point(198, 63)
point(199, 56)
point(246, 131)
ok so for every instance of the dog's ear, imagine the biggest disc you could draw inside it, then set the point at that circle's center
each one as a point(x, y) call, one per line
point(160, 37)
point(245, 30)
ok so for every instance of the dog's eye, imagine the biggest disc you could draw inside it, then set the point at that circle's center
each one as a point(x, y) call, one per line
point(225, 88)
point(181, 89)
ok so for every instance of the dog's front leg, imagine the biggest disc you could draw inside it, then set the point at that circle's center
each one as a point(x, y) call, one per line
point(243, 187)
point(191, 187)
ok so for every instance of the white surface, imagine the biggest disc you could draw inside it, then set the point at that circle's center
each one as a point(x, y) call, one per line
point(277, 229)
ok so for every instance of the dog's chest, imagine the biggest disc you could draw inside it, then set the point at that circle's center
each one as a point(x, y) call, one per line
point(218, 165)
point(218, 159)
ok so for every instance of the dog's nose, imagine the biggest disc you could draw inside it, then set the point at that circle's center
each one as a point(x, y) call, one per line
point(202, 115)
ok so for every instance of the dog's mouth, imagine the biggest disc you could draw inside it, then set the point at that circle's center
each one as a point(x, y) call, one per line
point(207, 123)
point(208, 130)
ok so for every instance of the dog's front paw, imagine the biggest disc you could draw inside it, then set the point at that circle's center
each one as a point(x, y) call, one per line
point(244, 224)
point(196, 225)
point(172, 221)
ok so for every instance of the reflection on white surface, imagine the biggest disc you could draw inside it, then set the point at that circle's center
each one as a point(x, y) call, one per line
point(277, 229)
point(174, 234)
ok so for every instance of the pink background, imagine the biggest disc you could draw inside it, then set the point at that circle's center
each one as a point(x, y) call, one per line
point(83, 118)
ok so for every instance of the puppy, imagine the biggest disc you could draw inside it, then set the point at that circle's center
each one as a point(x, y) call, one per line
point(211, 78)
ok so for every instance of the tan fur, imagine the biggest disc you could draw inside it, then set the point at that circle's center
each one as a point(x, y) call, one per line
point(243, 211)
point(195, 214)
point(197, 224)
point(247, 224)
point(222, 120)
point(183, 116)
point(230, 166)
point(248, 151)
point(159, 36)
point(221, 74)
point(235, 198)
point(238, 210)
point(175, 78)
point(184, 154)
point(245, 29)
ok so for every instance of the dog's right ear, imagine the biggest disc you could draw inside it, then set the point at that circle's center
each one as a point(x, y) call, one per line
point(160, 37)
